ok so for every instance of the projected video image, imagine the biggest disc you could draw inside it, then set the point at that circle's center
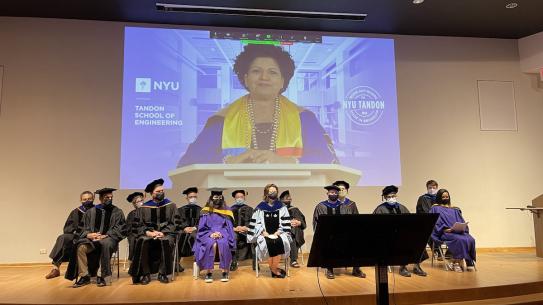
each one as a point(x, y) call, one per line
point(231, 97)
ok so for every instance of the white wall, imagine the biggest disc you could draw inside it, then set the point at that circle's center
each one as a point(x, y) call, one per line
point(60, 131)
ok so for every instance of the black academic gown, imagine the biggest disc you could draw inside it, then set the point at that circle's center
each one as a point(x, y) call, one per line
point(108, 220)
point(64, 246)
point(424, 204)
point(385, 208)
point(190, 215)
point(154, 255)
point(242, 217)
point(131, 232)
point(347, 208)
point(297, 232)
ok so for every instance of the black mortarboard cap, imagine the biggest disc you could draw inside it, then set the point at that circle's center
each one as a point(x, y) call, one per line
point(190, 190)
point(151, 186)
point(239, 191)
point(105, 190)
point(133, 195)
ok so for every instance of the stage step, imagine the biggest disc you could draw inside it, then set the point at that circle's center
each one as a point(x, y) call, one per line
point(526, 299)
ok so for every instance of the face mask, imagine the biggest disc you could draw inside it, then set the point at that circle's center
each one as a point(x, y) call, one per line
point(332, 198)
point(159, 196)
point(108, 202)
point(192, 200)
point(287, 202)
point(240, 201)
point(217, 202)
point(446, 201)
point(391, 201)
point(137, 205)
point(88, 204)
point(272, 195)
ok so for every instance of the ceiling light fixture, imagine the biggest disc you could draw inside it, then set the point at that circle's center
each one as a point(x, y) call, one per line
point(511, 5)
point(417, 1)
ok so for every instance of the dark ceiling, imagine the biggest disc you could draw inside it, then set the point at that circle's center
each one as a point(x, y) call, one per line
point(470, 18)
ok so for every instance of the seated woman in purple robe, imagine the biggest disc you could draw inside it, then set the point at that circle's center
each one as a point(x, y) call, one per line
point(263, 126)
point(460, 243)
point(215, 237)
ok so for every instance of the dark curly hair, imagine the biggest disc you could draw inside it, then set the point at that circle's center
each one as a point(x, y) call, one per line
point(252, 51)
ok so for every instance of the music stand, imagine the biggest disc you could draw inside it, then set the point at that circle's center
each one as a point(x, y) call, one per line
point(378, 240)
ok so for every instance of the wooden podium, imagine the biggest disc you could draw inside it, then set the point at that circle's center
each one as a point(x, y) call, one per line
point(258, 175)
point(537, 209)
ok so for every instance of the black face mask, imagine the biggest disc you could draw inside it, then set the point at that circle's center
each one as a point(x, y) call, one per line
point(88, 204)
point(108, 202)
point(159, 196)
point(217, 203)
point(287, 202)
point(333, 198)
point(446, 201)
point(272, 196)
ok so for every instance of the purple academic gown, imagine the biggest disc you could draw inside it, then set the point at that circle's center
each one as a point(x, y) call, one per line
point(203, 247)
point(461, 245)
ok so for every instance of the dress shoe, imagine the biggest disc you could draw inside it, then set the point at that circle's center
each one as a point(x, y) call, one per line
point(179, 268)
point(82, 281)
point(404, 271)
point(54, 273)
point(358, 273)
point(163, 278)
point(418, 270)
point(234, 266)
point(330, 274)
point(136, 280)
point(280, 275)
point(145, 279)
point(100, 282)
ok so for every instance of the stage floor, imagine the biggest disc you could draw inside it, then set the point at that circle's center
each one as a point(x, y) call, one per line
point(505, 277)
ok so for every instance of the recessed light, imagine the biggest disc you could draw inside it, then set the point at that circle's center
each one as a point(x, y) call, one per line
point(511, 5)
point(417, 1)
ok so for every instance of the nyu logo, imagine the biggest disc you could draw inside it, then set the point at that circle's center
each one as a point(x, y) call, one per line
point(364, 105)
point(145, 85)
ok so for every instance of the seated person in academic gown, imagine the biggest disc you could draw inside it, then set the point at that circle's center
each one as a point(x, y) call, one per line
point(242, 217)
point(136, 199)
point(215, 236)
point(426, 201)
point(332, 206)
point(298, 225)
point(104, 226)
point(342, 196)
point(461, 244)
point(156, 224)
point(392, 206)
point(64, 246)
point(270, 230)
point(190, 214)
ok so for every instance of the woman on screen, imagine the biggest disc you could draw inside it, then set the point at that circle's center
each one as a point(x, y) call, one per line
point(460, 243)
point(262, 126)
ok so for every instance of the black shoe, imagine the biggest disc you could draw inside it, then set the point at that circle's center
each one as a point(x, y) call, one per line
point(225, 277)
point(82, 281)
point(234, 266)
point(404, 271)
point(136, 280)
point(145, 279)
point(163, 279)
point(179, 268)
point(100, 282)
point(280, 275)
point(295, 264)
point(358, 273)
point(418, 270)
point(209, 278)
point(283, 272)
point(330, 274)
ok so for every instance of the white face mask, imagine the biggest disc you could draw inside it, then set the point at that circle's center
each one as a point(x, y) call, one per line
point(240, 201)
point(392, 200)
point(432, 191)
point(192, 200)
